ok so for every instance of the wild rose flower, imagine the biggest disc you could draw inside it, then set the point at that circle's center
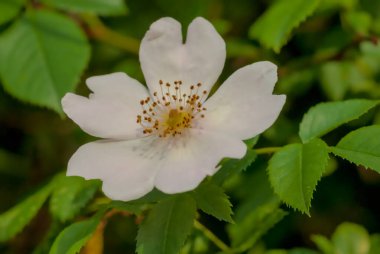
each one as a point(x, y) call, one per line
point(169, 136)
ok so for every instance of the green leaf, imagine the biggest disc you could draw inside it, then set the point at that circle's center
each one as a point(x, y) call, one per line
point(167, 226)
point(277, 251)
point(102, 7)
point(292, 251)
point(131, 207)
point(323, 244)
point(246, 232)
point(252, 141)
point(70, 195)
point(331, 5)
point(44, 245)
point(9, 9)
point(42, 57)
point(152, 197)
point(302, 251)
point(338, 77)
point(233, 166)
point(252, 198)
point(325, 117)
point(295, 170)
point(350, 238)
point(273, 28)
point(375, 244)
point(212, 200)
point(75, 236)
point(359, 21)
point(15, 219)
point(361, 147)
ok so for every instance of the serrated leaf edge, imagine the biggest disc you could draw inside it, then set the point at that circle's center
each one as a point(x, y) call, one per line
point(376, 102)
point(287, 35)
point(307, 212)
point(332, 148)
point(229, 220)
point(58, 109)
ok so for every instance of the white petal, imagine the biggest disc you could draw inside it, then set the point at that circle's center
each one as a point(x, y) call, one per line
point(191, 158)
point(112, 110)
point(163, 55)
point(117, 85)
point(125, 167)
point(206, 51)
point(244, 106)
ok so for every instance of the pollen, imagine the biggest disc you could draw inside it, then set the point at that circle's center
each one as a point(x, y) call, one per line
point(171, 111)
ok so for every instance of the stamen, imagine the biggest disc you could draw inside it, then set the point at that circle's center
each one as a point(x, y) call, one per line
point(175, 113)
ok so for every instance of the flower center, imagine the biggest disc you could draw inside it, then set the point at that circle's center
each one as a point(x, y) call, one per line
point(177, 118)
point(173, 111)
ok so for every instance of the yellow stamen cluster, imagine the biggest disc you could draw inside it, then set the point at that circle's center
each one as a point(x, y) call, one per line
point(169, 112)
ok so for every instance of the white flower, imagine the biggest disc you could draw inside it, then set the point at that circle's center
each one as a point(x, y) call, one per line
point(170, 137)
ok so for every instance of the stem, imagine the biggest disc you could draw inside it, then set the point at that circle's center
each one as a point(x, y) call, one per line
point(102, 33)
point(212, 237)
point(266, 150)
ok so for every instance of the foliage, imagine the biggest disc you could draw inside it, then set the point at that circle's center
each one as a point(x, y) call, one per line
point(295, 170)
point(272, 29)
point(361, 147)
point(15, 219)
point(167, 226)
point(312, 161)
point(101, 7)
point(70, 195)
point(75, 236)
point(212, 200)
point(347, 238)
point(319, 121)
point(53, 72)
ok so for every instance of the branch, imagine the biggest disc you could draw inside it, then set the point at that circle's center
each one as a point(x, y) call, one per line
point(99, 31)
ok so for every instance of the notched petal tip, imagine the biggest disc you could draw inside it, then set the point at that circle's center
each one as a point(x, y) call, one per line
point(65, 99)
point(200, 20)
point(269, 64)
point(201, 27)
point(68, 101)
point(94, 81)
point(282, 100)
point(109, 75)
point(266, 67)
point(161, 27)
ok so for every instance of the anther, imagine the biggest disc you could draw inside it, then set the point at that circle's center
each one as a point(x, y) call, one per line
point(177, 117)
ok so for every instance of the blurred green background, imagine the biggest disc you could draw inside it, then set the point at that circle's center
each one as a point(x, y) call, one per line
point(330, 53)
